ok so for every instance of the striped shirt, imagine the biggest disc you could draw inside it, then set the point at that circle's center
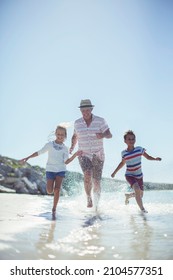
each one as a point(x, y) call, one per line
point(133, 161)
point(86, 135)
point(57, 155)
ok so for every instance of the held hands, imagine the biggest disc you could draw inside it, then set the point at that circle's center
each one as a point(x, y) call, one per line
point(71, 150)
point(79, 153)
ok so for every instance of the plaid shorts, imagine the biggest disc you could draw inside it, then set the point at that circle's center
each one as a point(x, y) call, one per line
point(95, 166)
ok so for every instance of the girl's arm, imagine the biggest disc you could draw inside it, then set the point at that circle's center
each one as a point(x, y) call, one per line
point(150, 157)
point(78, 153)
point(31, 156)
point(120, 165)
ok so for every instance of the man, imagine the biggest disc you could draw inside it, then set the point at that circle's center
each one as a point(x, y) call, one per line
point(89, 132)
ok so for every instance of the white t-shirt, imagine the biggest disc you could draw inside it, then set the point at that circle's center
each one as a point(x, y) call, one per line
point(57, 155)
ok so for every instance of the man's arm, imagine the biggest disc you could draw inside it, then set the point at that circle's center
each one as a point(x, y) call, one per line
point(73, 142)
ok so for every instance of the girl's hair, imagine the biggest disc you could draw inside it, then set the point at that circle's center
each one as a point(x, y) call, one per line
point(129, 132)
point(62, 128)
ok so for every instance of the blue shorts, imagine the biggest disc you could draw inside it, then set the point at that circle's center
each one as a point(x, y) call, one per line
point(53, 175)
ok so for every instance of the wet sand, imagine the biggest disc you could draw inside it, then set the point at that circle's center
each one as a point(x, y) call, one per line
point(116, 231)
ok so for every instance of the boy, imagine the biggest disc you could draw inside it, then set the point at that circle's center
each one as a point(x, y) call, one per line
point(132, 158)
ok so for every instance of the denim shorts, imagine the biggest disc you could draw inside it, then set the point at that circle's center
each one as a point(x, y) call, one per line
point(53, 175)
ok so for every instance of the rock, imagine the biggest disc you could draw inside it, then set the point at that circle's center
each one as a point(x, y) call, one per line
point(20, 187)
point(10, 180)
point(2, 178)
point(31, 187)
point(41, 185)
point(6, 190)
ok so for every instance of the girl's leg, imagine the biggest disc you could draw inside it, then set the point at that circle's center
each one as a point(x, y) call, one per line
point(49, 186)
point(58, 183)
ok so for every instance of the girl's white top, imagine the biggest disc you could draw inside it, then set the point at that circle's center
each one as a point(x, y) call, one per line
point(57, 155)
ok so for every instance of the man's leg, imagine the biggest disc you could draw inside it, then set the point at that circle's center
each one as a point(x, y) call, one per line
point(88, 187)
point(97, 175)
point(96, 192)
point(86, 166)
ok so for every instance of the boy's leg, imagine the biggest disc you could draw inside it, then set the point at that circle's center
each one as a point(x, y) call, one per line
point(130, 180)
point(58, 183)
point(128, 196)
point(138, 196)
point(142, 193)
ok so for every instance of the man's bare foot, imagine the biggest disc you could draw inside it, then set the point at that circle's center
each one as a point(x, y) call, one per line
point(144, 210)
point(89, 202)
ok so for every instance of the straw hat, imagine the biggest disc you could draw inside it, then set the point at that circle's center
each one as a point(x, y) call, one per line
point(86, 103)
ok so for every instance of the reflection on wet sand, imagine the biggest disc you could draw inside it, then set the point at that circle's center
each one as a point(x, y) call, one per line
point(116, 231)
point(46, 237)
point(142, 235)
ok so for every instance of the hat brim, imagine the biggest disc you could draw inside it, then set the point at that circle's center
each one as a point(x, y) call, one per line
point(86, 106)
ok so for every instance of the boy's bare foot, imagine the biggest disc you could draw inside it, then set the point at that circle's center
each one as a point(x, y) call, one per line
point(126, 199)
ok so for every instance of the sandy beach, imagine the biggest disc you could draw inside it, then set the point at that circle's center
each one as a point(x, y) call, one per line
point(116, 231)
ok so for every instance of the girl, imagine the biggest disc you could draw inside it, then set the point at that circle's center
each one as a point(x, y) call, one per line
point(58, 157)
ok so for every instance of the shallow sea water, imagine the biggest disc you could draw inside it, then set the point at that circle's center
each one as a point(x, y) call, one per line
point(115, 231)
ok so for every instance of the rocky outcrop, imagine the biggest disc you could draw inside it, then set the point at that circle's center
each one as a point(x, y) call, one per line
point(21, 179)
point(27, 179)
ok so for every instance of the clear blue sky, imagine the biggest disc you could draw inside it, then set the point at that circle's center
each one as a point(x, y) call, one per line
point(118, 53)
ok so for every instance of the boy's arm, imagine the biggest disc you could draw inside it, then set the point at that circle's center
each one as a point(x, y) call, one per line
point(78, 153)
point(120, 165)
point(150, 157)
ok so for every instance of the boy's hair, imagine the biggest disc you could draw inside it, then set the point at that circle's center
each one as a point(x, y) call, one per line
point(130, 132)
point(63, 128)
